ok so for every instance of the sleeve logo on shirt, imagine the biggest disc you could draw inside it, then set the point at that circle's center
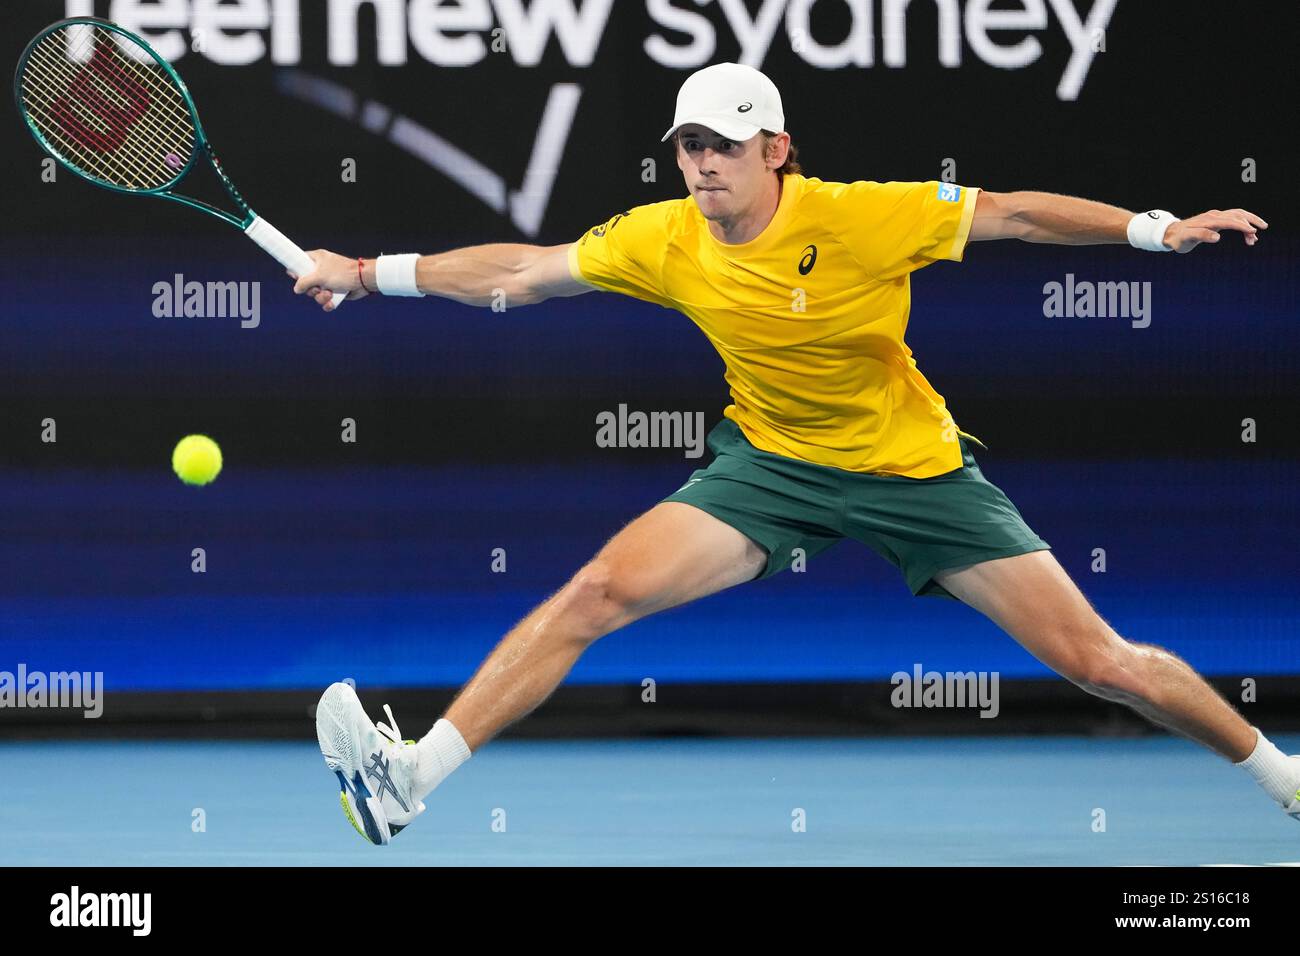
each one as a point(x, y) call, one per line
point(599, 231)
point(949, 192)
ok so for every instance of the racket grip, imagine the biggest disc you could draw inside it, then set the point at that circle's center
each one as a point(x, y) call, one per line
point(284, 250)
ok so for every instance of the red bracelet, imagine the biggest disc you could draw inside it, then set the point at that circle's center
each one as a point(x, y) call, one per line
point(360, 281)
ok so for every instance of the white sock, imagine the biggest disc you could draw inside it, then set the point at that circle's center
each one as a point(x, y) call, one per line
point(1273, 770)
point(439, 752)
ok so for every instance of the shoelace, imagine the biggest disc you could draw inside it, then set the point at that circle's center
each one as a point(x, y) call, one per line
point(392, 733)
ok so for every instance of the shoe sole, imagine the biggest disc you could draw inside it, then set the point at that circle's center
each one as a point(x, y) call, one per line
point(367, 814)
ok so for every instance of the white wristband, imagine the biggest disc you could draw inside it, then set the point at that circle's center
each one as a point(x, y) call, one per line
point(395, 275)
point(1146, 230)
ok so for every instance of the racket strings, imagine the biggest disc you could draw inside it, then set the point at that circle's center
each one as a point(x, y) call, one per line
point(176, 119)
point(36, 82)
point(117, 119)
point(142, 80)
point(108, 145)
point(109, 168)
point(140, 135)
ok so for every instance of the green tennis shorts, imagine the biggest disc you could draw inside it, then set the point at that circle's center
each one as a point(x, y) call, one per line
point(922, 525)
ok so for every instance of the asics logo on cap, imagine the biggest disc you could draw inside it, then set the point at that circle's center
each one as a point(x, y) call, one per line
point(732, 100)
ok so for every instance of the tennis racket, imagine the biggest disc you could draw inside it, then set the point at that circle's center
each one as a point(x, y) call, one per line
point(104, 104)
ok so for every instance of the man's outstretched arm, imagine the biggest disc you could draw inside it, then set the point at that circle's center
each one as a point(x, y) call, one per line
point(1065, 220)
point(477, 275)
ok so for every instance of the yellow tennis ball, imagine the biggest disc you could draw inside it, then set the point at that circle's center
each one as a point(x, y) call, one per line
point(196, 460)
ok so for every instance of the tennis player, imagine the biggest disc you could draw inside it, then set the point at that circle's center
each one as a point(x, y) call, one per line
point(803, 287)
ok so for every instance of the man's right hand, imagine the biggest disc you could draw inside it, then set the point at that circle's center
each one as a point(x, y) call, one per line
point(334, 273)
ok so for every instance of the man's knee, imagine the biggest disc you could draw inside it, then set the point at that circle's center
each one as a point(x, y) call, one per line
point(1103, 663)
point(600, 598)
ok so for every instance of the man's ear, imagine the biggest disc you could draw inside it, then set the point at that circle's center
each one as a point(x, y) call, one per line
point(778, 149)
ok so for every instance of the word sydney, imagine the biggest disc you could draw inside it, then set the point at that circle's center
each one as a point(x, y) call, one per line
point(684, 34)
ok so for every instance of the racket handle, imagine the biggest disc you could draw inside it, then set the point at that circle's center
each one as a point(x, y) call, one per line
point(284, 250)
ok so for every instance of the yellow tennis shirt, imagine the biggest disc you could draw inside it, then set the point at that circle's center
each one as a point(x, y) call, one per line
point(809, 316)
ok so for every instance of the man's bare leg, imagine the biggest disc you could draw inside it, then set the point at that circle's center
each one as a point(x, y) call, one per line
point(672, 554)
point(1032, 598)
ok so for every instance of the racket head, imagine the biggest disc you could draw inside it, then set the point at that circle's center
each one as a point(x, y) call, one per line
point(103, 103)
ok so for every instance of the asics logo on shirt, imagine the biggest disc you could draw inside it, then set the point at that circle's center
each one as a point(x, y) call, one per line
point(808, 261)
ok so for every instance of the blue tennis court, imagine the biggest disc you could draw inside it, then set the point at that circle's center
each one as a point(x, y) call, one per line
point(908, 802)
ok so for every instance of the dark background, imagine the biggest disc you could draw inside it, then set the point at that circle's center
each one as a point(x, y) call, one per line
point(476, 429)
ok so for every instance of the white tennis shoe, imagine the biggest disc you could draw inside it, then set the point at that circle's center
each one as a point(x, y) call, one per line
point(376, 769)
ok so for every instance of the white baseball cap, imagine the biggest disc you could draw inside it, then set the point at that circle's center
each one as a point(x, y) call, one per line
point(734, 101)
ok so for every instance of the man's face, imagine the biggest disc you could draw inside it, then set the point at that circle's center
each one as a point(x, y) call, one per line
point(725, 177)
